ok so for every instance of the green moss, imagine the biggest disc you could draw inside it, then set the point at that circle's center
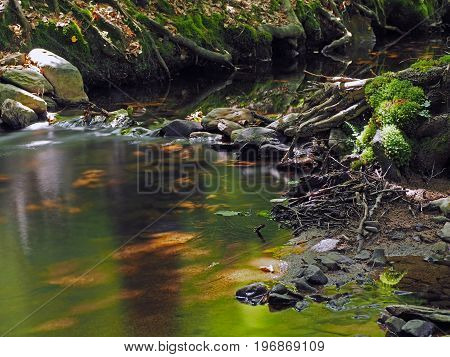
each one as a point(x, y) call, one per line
point(165, 7)
point(307, 14)
point(383, 88)
point(206, 31)
point(425, 64)
point(52, 37)
point(367, 156)
point(401, 113)
point(396, 145)
point(366, 136)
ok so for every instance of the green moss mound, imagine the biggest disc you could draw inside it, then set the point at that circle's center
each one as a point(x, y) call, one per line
point(396, 145)
point(404, 114)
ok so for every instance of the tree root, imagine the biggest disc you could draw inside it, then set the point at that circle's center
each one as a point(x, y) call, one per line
point(370, 14)
point(17, 8)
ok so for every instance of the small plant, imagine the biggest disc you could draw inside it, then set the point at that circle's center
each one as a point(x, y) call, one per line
point(391, 277)
point(367, 156)
point(382, 88)
point(396, 145)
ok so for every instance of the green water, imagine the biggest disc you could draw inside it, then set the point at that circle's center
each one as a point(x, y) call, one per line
point(90, 247)
point(60, 219)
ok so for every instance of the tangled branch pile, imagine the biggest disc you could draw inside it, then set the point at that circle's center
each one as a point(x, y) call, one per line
point(337, 198)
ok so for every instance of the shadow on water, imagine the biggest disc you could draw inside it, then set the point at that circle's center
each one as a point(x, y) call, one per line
point(71, 200)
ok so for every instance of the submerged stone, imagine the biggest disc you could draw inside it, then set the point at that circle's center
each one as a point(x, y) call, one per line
point(418, 328)
point(181, 128)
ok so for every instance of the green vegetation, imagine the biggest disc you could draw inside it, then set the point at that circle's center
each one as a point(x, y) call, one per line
point(401, 113)
point(424, 65)
point(396, 145)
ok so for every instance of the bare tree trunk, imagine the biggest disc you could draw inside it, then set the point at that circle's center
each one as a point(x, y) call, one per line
point(17, 8)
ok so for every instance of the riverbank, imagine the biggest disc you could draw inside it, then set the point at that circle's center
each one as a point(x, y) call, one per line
point(124, 42)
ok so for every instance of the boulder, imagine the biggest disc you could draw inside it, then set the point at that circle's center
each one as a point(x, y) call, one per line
point(418, 328)
point(16, 116)
point(8, 91)
point(241, 116)
point(64, 77)
point(280, 302)
point(13, 59)
point(181, 128)
point(227, 126)
point(302, 286)
point(29, 79)
point(253, 294)
point(255, 136)
point(314, 275)
point(443, 204)
point(394, 324)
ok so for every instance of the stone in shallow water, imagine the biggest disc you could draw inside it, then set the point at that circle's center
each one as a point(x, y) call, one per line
point(302, 285)
point(281, 301)
point(181, 128)
point(253, 294)
point(301, 305)
point(325, 245)
point(8, 91)
point(314, 275)
point(16, 116)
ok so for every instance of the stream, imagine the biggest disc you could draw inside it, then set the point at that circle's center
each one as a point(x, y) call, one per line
point(104, 235)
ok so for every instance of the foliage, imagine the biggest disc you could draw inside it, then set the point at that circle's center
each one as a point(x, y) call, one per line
point(386, 88)
point(367, 156)
point(396, 145)
point(366, 136)
point(391, 277)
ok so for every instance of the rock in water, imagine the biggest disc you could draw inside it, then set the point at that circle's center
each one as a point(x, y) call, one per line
point(255, 136)
point(29, 79)
point(418, 328)
point(16, 116)
point(8, 91)
point(181, 128)
point(240, 116)
point(281, 301)
point(253, 294)
point(64, 77)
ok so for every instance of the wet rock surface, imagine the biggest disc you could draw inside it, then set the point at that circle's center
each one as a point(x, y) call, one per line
point(15, 115)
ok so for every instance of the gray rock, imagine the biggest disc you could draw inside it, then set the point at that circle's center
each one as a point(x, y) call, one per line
point(241, 116)
point(279, 289)
point(63, 76)
point(253, 294)
point(363, 255)
point(16, 116)
point(328, 263)
point(395, 324)
point(440, 248)
point(52, 106)
point(302, 286)
point(338, 303)
point(204, 137)
point(378, 258)
point(445, 232)
point(281, 301)
point(255, 136)
point(314, 275)
point(181, 128)
point(29, 79)
point(273, 151)
point(325, 245)
point(418, 328)
point(443, 204)
point(227, 126)
point(8, 91)
point(301, 305)
point(340, 258)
